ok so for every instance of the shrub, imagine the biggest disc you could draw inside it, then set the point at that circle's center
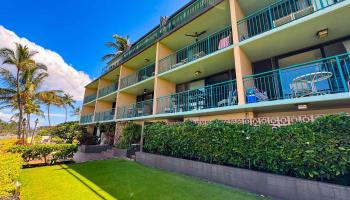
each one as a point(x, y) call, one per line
point(131, 135)
point(54, 151)
point(10, 167)
point(315, 150)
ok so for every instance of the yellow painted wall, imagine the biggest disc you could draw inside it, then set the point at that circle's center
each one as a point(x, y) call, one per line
point(125, 71)
point(124, 99)
point(161, 88)
point(162, 51)
point(242, 63)
point(102, 106)
point(104, 83)
point(304, 112)
point(87, 110)
point(89, 91)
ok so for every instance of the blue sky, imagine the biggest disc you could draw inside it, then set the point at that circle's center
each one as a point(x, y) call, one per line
point(77, 30)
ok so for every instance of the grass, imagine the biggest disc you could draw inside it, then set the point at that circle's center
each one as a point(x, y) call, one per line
point(118, 179)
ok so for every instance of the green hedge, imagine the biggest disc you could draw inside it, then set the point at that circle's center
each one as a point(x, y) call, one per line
point(318, 150)
point(53, 151)
point(10, 166)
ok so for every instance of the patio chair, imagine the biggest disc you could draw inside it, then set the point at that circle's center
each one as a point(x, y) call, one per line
point(300, 89)
point(230, 101)
point(261, 95)
point(304, 12)
point(283, 20)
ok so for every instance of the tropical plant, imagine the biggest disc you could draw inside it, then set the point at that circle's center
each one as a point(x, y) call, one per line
point(67, 101)
point(131, 135)
point(50, 98)
point(22, 59)
point(119, 45)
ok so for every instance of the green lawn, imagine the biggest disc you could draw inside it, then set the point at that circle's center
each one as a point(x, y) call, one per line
point(118, 179)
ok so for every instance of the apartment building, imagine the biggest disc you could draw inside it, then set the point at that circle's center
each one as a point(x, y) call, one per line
point(253, 60)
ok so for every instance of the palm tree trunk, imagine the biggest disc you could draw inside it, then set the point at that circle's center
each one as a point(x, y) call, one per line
point(28, 126)
point(48, 114)
point(31, 139)
point(19, 104)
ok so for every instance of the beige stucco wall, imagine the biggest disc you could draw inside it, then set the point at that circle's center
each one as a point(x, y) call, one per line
point(102, 106)
point(242, 63)
point(304, 112)
point(89, 91)
point(87, 109)
point(124, 99)
point(162, 87)
point(104, 83)
point(162, 51)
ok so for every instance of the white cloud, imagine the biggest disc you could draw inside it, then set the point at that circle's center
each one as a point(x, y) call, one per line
point(5, 116)
point(62, 76)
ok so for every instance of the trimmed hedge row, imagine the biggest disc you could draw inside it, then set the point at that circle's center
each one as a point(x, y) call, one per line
point(10, 167)
point(53, 151)
point(315, 150)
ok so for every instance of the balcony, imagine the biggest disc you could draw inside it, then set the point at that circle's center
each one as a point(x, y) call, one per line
point(139, 109)
point(217, 41)
point(105, 116)
point(90, 98)
point(317, 78)
point(174, 22)
point(86, 119)
point(108, 90)
point(279, 14)
point(212, 96)
point(140, 75)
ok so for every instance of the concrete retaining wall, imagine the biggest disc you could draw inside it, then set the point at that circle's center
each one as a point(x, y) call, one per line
point(93, 148)
point(274, 186)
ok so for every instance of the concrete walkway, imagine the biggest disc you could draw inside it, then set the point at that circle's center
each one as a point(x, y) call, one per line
point(80, 157)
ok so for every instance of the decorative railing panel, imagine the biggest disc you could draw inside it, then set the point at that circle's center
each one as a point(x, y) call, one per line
point(139, 109)
point(140, 75)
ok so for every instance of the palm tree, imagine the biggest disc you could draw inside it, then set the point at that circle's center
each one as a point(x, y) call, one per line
point(119, 45)
point(22, 59)
point(50, 98)
point(67, 101)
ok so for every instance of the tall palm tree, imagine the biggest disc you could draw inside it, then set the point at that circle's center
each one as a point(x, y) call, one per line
point(67, 101)
point(119, 45)
point(22, 59)
point(50, 98)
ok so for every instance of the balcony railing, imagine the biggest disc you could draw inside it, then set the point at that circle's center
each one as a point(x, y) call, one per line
point(278, 14)
point(140, 75)
point(105, 116)
point(108, 90)
point(85, 119)
point(174, 22)
point(325, 76)
point(209, 45)
point(138, 109)
point(90, 98)
point(212, 96)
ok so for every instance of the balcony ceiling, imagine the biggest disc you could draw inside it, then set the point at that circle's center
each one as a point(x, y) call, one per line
point(210, 65)
point(138, 88)
point(300, 34)
point(221, 14)
point(93, 85)
point(139, 61)
point(250, 6)
point(109, 98)
point(112, 75)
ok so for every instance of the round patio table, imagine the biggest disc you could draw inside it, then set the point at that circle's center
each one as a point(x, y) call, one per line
point(313, 78)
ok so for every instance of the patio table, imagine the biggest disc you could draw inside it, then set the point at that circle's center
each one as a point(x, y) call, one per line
point(313, 78)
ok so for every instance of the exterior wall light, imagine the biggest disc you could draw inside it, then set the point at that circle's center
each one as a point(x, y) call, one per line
point(322, 33)
point(197, 73)
point(302, 107)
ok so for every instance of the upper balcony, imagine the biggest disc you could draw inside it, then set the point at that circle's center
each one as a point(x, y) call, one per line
point(212, 96)
point(87, 119)
point(89, 99)
point(174, 22)
point(318, 79)
point(207, 46)
point(279, 14)
point(140, 75)
point(108, 90)
point(139, 109)
point(105, 116)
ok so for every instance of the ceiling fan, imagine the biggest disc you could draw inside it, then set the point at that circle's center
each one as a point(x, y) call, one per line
point(196, 35)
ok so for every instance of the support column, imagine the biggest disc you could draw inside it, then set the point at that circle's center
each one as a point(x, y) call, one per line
point(161, 87)
point(243, 65)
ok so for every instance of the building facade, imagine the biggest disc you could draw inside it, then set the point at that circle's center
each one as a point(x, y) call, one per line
point(247, 61)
